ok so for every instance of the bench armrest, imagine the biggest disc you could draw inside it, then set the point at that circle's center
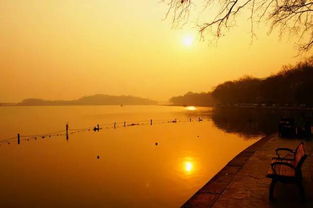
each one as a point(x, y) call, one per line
point(282, 149)
point(280, 163)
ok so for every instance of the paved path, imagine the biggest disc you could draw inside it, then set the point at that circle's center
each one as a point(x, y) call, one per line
point(242, 182)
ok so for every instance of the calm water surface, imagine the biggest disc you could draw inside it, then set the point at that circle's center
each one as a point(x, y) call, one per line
point(132, 170)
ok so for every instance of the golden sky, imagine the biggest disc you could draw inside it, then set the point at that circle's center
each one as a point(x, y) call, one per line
point(64, 49)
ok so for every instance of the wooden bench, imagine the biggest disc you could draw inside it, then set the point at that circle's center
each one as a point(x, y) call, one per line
point(287, 168)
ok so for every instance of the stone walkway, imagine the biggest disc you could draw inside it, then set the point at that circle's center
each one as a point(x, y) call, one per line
point(242, 182)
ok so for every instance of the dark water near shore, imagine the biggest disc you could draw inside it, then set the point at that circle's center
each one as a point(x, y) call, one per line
point(132, 171)
point(249, 122)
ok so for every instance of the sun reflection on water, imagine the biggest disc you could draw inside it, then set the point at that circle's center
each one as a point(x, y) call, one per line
point(191, 108)
point(188, 166)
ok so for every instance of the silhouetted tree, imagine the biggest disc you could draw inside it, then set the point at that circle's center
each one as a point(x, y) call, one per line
point(190, 98)
point(293, 85)
point(286, 15)
point(245, 90)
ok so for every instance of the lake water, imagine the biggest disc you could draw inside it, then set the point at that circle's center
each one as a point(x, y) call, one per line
point(158, 165)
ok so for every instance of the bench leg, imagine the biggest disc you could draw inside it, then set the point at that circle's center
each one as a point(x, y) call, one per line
point(271, 197)
point(301, 189)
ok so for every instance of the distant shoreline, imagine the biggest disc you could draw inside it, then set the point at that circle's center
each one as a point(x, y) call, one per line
point(287, 108)
point(268, 107)
point(17, 105)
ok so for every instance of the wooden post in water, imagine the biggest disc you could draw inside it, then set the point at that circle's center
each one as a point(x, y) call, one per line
point(115, 125)
point(124, 123)
point(18, 139)
point(66, 131)
point(98, 127)
point(151, 122)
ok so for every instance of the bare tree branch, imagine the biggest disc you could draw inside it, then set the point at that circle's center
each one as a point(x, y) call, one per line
point(286, 16)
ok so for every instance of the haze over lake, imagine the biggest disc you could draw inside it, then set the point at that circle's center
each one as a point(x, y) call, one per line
point(159, 165)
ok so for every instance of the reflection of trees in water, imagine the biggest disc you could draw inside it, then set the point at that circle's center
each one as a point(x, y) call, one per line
point(252, 122)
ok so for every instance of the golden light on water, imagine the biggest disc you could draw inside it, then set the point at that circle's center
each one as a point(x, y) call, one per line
point(191, 108)
point(188, 166)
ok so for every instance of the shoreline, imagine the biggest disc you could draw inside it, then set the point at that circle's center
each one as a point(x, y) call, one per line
point(286, 108)
point(208, 194)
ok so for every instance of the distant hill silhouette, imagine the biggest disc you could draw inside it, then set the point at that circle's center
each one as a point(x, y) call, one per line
point(90, 100)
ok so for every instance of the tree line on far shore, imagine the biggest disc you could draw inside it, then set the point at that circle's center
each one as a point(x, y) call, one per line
point(293, 85)
point(190, 98)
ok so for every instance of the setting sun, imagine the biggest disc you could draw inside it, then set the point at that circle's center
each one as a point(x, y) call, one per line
point(188, 40)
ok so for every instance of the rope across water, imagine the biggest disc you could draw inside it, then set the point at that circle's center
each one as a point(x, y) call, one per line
point(96, 128)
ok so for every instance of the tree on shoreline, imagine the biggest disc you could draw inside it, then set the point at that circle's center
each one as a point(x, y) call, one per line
point(288, 16)
point(293, 85)
point(190, 98)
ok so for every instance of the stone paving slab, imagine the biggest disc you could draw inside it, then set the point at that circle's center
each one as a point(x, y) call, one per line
point(243, 183)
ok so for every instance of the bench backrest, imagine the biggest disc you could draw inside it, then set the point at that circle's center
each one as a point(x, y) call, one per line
point(299, 156)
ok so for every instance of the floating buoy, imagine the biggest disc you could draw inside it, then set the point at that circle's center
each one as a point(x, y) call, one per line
point(133, 124)
point(98, 157)
point(156, 144)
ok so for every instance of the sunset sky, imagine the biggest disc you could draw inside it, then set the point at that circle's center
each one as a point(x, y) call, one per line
point(65, 49)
